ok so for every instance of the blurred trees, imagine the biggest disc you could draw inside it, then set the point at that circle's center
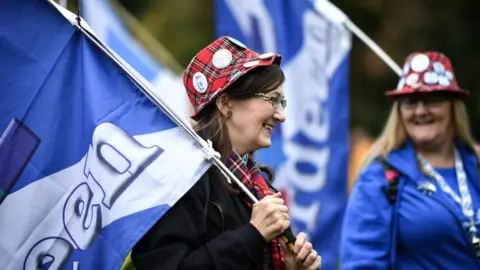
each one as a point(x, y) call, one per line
point(399, 27)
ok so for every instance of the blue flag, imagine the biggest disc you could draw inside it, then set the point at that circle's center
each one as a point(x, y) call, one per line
point(309, 152)
point(108, 27)
point(87, 162)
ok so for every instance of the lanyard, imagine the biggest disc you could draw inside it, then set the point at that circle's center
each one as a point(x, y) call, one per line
point(465, 198)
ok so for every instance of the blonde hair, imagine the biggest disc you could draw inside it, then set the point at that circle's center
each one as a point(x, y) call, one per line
point(394, 135)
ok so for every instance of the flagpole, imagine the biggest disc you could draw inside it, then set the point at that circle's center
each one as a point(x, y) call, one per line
point(372, 45)
point(327, 9)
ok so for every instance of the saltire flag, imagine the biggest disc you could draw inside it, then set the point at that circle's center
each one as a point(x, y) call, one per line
point(309, 152)
point(88, 163)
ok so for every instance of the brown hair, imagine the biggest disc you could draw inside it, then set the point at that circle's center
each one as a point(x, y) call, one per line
point(210, 124)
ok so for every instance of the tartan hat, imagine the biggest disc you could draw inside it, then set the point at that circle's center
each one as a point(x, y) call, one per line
point(219, 65)
point(425, 72)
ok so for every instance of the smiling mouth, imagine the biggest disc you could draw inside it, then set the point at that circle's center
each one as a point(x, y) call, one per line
point(422, 123)
point(268, 127)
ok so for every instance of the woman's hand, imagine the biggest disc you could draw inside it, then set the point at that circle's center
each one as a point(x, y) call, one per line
point(270, 216)
point(303, 256)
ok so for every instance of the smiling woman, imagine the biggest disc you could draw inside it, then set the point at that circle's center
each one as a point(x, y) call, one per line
point(237, 97)
point(420, 182)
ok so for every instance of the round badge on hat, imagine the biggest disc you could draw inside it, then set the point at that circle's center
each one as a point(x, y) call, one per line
point(443, 81)
point(412, 79)
point(420, 63)
point(222, 58)
point(430, 77)
point(449, 75)
point(438, 67)
point(200, 82)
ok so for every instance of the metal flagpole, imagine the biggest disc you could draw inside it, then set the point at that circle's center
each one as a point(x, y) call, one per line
point(375, 48)
point(331, 11)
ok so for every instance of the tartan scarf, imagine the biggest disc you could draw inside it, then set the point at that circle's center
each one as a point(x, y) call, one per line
point(247, 171)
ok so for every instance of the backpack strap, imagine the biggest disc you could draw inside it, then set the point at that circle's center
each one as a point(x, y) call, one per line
point(392, 177)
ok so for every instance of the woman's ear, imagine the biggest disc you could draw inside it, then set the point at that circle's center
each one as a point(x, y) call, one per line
point(224, 105)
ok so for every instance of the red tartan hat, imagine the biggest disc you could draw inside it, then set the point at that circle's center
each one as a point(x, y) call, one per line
point(219, 65)
point(425, 72)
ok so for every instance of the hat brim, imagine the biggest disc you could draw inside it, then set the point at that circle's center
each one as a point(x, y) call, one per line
point(461, 93)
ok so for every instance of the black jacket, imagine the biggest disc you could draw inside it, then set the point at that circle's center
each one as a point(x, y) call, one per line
point(208, 228)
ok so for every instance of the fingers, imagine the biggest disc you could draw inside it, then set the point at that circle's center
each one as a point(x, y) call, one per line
point(277, 195)
point(276, 198)
point(301, 238)
point(316, 264)
point(311, 257)
point(304, 251)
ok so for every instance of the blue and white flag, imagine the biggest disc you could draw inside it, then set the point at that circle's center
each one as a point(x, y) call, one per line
point(309, 151)
point(108, 27)
point(87, 162)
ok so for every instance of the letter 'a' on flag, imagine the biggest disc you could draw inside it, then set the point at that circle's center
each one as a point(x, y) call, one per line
point(87, 162)
point(309, 152)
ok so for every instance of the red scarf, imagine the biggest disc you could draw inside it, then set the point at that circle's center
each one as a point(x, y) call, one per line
point(248, 172)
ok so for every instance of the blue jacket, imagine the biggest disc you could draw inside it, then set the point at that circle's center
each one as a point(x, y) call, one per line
point(418, 231)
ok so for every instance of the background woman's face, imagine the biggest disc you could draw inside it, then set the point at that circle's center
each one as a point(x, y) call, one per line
point(427, 118)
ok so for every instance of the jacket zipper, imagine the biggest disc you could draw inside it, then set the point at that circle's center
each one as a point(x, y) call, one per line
point(459, 223)
point(221, 214)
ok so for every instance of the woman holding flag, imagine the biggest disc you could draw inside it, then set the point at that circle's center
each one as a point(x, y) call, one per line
point(416, 203)
point(237, 97)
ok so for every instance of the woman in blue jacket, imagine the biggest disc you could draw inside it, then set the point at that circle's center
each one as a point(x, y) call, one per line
point(416, 202)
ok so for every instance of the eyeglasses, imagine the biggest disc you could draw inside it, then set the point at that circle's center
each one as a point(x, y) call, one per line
point(274, 100)
point(430, 102)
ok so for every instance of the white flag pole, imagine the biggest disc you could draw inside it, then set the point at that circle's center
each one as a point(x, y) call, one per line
point(375, 48)
point(331, 11)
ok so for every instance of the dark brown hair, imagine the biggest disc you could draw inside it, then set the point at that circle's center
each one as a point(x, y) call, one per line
point(210, 124)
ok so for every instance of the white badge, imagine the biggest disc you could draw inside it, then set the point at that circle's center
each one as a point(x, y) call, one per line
point(237, 42)
point(430, 77)
point(412, 79)
point(235, 76)
point(200, 82)
point(438, 67)
point(420, 63)
point(222, 58)
point(443, 81)
point(251, 64)
point(266, 56)
point(449, 75)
